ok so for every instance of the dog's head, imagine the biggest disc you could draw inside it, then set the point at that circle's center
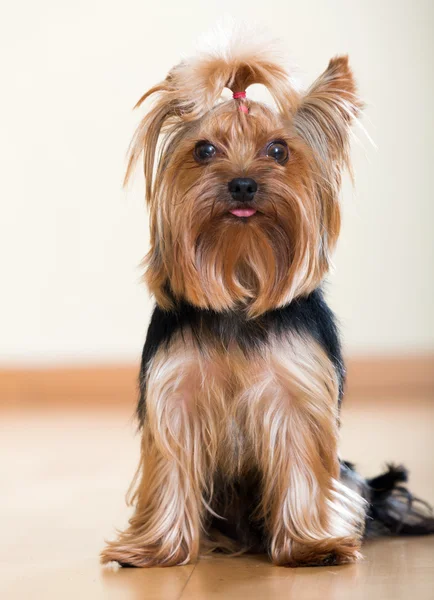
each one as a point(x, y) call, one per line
point(244, 199)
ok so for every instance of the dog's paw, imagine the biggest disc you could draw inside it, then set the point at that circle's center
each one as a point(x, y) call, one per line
point(324, 553)
point(144, 557)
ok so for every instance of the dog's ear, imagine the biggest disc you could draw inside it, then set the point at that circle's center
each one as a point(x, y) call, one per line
point(326, 112)
point(323, 120)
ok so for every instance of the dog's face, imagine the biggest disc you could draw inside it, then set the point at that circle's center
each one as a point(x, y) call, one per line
point(244, 205)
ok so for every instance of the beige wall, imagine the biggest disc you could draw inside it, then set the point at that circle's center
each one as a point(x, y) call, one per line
point(71, 239)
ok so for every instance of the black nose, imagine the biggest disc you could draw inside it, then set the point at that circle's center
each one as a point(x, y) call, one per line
point(243, 188)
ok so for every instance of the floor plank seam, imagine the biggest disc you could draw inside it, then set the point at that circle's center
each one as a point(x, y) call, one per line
point(186, 583)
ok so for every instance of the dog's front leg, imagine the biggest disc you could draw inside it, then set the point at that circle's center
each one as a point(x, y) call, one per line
point(179, 446)
point(292, 416)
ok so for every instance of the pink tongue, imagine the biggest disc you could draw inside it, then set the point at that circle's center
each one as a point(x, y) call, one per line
point(243, 212)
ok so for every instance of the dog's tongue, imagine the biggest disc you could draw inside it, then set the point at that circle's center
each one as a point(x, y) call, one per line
point(243, 212)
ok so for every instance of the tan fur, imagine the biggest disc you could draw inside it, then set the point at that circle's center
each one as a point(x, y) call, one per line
point(212, 410)
point(284, 252)
point(209, 410)
point(180, 442)
point(290, 408)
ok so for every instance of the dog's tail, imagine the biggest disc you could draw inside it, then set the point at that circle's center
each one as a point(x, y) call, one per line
point(392, 508)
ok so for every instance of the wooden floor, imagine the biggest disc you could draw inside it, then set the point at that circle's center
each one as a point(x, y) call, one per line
point(64, 473)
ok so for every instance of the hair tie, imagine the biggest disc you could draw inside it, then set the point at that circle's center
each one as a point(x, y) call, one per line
point(240, 96)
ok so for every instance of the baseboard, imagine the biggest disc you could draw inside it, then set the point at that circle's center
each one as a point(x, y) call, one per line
point(394, 374)
point(116, 385)
point(73, 386)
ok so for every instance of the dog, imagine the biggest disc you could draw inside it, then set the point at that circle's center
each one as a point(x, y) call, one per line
point(242, 373)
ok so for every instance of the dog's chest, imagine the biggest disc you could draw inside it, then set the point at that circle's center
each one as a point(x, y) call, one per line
point(227, 353)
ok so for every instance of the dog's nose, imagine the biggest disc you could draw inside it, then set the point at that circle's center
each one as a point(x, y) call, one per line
point(243, 188)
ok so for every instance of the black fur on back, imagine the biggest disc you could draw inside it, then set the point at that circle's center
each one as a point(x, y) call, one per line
point(308, 316)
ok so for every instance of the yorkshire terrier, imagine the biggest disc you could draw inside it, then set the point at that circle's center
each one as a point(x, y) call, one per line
point(242, 373)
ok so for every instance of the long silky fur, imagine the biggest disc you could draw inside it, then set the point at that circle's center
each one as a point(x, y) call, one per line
point(242, 374)
point(193, 249)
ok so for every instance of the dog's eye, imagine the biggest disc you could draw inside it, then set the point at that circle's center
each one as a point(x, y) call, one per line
point(278, 151)
point(204, 151)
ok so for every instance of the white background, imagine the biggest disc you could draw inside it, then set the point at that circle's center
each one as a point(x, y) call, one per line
point(71, 240)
